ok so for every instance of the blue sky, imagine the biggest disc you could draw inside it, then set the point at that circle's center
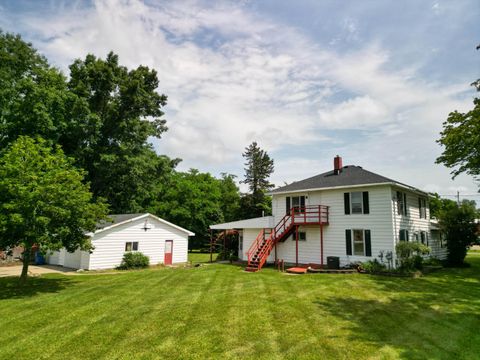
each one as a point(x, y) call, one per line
point(371, 81)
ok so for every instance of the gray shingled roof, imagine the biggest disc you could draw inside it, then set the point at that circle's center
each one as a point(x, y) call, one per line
point(116, 219)
point(349, 175)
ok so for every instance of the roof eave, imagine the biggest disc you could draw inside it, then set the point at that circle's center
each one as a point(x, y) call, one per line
point(390, 183)
point(91, 234)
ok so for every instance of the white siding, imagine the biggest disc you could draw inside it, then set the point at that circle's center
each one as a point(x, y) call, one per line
point(73, 260)
point(53, 258)
point(438, 251)
point(110, 244)
point(249, 236)
point(413, 223)
point(378, 221)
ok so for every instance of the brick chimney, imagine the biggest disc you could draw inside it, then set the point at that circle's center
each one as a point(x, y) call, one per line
point(337, 165)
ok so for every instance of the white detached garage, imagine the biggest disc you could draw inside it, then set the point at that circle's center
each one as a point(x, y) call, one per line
point(162, 241)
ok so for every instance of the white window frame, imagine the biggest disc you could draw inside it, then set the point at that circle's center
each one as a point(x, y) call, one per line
point(351, 202)
point(240, 241)
point(132, 244)
point(362, 231)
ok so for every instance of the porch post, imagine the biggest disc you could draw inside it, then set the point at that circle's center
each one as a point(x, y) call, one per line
point(296, 245)
point(224, 243)
point(321, 245)
point(211, 244)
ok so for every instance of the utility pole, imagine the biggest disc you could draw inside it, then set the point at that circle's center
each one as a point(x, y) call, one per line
point(458, 198)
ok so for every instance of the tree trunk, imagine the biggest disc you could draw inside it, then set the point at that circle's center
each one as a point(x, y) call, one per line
point(26, 261)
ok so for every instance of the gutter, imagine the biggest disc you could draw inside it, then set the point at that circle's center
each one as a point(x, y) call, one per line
point(411, 188)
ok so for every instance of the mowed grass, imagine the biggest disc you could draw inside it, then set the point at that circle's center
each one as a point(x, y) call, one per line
point(197, 257)
point(219, 311)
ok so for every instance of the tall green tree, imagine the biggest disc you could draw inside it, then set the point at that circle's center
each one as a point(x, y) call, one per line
point(192, 200)
point(458, 224)
point(461, 140)
point(44, 200)
point(230, 197)
point(259, 167)
point(104, 117)
point(34, 99)
point(112, 140)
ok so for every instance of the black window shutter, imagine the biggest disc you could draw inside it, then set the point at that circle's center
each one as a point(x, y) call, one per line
point(302, 201)
point(366, 205)
point(405, 211)
point(368, 243)
point(348, 241)
point(406, 235)
point(346, 201)
point(420, 207)
point(402, 235)
point(288, 204)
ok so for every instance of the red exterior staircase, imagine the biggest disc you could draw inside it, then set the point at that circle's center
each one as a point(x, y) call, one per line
point(268, 238)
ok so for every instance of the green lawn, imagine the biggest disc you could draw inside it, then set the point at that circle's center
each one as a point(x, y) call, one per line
point(197, 257)
point(219, 311)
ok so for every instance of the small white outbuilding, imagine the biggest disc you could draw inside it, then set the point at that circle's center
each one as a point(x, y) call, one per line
point(162, 241)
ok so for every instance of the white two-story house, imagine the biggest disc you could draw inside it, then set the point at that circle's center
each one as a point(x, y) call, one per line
point(348, 212)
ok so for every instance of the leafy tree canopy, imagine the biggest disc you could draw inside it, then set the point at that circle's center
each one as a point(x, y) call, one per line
point(458, 224)
point(192, 200)
point(103, 117)
point(461, 140)
point(44, 200)
point(34, 99)
point(111, 140)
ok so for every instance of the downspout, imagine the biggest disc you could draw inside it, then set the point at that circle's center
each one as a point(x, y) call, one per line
point(321, 245)
point(296, 245)
point(395, 231)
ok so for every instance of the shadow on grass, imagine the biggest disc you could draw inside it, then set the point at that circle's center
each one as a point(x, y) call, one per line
point(435, 317)
point(10, 287)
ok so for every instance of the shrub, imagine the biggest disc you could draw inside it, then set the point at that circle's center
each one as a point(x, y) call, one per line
point(134, 260)
point(432, 261)
point(373, 266)
point(409, 254)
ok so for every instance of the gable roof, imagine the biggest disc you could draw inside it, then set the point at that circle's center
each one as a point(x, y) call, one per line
point(348, 176)
point(120, 219)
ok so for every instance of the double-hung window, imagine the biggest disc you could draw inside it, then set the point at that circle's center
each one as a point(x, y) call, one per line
point(358, 242)
point(297, 202)
point(131, 246)
point(356, 202)
point(422, 208)
point(402, 208)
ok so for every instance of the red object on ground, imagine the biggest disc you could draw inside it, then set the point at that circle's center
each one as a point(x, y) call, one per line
point(297, 270)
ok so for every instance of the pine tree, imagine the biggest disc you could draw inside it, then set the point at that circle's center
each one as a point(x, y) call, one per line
point(259, 167)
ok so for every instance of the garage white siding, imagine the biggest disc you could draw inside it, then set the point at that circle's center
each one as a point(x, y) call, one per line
point(110, 244)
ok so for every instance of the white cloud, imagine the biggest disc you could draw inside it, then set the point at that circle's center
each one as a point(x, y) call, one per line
point(233, 76)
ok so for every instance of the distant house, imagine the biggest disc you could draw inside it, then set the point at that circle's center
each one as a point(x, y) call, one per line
point(347, 212)
point(162, 241)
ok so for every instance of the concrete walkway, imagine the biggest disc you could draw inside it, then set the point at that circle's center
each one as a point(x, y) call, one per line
point(35, 270)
